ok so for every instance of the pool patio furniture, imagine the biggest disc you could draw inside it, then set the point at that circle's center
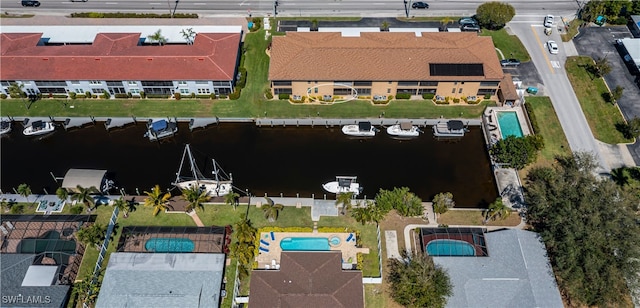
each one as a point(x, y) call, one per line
point(350, 237)
point(264, 249)
point(264, 242)
point(273, 237)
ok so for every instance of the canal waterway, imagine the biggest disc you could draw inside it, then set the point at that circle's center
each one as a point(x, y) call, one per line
point(274, 160)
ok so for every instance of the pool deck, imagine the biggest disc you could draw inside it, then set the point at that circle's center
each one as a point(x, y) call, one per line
point(492, 126)
point(266, 260)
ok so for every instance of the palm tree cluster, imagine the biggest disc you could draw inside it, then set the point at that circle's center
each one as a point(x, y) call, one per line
point(244, 246)
point(271, 210)
point(497, 210)
point(92, 235)
point(157, 199)
point(195, 198)
point(368, 213)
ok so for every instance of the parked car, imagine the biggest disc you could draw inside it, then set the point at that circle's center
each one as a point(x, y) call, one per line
point(78, 0)
point(470, 27)
point(548, 21)
point(467, 20)
point(553, 47)
point(31, 3)
point(510, 62)
point(420, 5)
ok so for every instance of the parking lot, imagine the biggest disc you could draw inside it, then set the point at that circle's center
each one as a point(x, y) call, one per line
point(599, 42)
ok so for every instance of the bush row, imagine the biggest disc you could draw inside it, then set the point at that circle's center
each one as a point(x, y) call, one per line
point(532, 119)
point(131, 15)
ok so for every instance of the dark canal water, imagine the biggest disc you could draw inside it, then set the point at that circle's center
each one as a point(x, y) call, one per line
point(263, 160)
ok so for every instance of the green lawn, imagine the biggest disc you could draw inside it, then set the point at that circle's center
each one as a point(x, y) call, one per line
point(374, 296)
point(602, 116)
point(510, 45)
point(555, 142)
point(475, 218)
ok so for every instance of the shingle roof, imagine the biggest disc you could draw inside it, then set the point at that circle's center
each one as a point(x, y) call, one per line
point(14, 267)
point(307, 279)
point(508, 88)
point(162, 280)
point(378, 56)
point(516, 273)
point(117, 56)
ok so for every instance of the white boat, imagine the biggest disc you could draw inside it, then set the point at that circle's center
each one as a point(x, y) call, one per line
point(160, 129)
point(362, 129)
point(5, 127)
point(404, 130)
point(218, 185)
point(38, 128)
point(449, 129)
point(343, 184)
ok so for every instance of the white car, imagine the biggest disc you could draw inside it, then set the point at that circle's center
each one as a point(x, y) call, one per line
point(553, 47)
point(548, 21)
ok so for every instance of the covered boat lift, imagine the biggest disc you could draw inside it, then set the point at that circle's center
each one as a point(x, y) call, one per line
point(86, 178)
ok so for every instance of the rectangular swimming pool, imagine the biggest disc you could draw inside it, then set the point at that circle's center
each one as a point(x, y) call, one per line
point(509, 124)
point(304, 244)
point(159, 244)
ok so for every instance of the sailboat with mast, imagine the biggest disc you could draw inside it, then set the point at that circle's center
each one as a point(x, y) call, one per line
point(218, 185)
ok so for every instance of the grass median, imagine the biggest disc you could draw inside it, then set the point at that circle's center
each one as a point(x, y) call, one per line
point(510, 45)
point(548, 126)
point(601, 116)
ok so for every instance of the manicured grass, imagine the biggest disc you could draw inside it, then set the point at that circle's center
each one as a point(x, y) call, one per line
point(475, 218)
point(574, 25)
point(510, 45)
point(602, 116)
point(321, 18)
point(555, 142)
point(222, 215)
point(230, 273)
point(374, 296)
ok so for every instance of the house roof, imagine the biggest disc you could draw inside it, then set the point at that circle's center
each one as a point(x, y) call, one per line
point(162, 280)
point(307, 279)
point(508, 88)
point(14, 268)
point(517, 269)
point(379, 56)
point(118, 56)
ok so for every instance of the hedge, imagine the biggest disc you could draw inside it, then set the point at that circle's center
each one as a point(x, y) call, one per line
point(403, 95)
point(532, 119)
point(428, 95)
point(283, 96)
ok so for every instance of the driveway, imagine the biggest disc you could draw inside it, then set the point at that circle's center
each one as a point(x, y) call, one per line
point(598, 42)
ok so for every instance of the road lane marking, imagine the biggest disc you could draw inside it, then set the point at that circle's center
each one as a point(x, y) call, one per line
point(555, 64)
point(544, 50)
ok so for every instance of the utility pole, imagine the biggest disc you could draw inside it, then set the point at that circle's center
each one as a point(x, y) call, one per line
point(275, 8)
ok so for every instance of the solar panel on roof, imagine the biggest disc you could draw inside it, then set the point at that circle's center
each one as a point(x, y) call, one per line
point(456, 69)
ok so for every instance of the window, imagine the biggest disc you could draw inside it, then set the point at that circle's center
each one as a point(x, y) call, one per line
point(134, 90)
point(315, 90)
point(277, 91)
point(49, 83)
point(347, 83)
point(453, 90)
point(114, 83)
point(429, 83)
point(220, 83)
point(79, 91)
point(407, 83)
point(159, 83)
point(410, 91)
point(204, 91)
point(184, 91)
point(388, 91)
point(95, 82)
point(281, 83)
point(486, 91)
point(6, 82)
point(364, 91)
point(362, 83)
point(132, 83)
point(423, 91)
point(47, 90)
point(342, 91)
point(182, 83)
point(97, 90)
point(489, 83)
point(75, 81)
point(200, 82)
point(460, 90)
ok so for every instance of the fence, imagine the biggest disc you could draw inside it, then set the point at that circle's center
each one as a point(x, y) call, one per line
point(376, 280)
point(103, 248)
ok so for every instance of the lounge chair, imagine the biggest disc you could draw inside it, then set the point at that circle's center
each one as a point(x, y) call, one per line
point(273, 237)
point(273, 263)
point(350, 237)
point(264, 249)
point(264, 242)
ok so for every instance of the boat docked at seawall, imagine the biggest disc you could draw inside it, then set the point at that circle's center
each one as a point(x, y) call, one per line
point(343, 184)
point(159, 129)
point(5, 127)
point(38, 128)
point(219, 184)
point(362, 129)
point(449, 129)
point(404, 130)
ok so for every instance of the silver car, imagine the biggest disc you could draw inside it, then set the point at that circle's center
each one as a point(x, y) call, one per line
point(553, 47)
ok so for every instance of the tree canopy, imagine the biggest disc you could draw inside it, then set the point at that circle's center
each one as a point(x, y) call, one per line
point(442, 202)
point(400, 199)
point(517, 152)
point(494, 15)
point(590, 228)
point(417, 282)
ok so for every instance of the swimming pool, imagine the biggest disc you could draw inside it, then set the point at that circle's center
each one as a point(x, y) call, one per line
point(305, 243)
point(159, 244)
point(509, 124)
point(447, 248)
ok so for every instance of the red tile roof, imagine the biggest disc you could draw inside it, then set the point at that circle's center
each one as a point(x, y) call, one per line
point(306, 280)
point(117, 56)
point(379, 56)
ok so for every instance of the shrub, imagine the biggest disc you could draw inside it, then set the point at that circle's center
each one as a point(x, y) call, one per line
point(80, 96)
point(3, 96)
point(76, 209)
point(105, 94)
point(621, 20)
point(165, 96)
point(442, 103)
point(390, 97)
point(88, 94)
point(474, 102)
point(72, 95)
point(235, 95)
point(243, 78)
point(487, 96)
point(93, 96)
point(203, 96)
point(257, 24)
point(193, 95)
point(177, 96)
point(59, 96)
point(143, 95)
point(212, 96)
point(17, 208)
point(283, 96)
point(403, 95)
point(222, 96)
point(456, 100)
point(268, 94)
point(121, 95)
point(428, 95)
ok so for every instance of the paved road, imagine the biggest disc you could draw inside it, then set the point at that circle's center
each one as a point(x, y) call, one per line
point(557, 85)
point(368, 8)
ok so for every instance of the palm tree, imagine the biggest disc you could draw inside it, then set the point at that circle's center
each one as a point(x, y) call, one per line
point(123, 206)
point(244, 231)
point(92, 235)
point(157, 37)
point(271, 210)
point(157, 199)
point(442, 202)
point(232, 199)
point(195, 196)
point(84, 196)
point(344, 200)
point(384, 26)
point(62, 194)
point(189, 35)
point(620, 176)
point(371, 212)
point(497, 209)
point(24, 190)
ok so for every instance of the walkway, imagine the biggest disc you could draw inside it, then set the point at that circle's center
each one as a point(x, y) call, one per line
point(195, 218)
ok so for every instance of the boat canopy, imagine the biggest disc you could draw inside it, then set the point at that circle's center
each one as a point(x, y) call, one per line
point(159, 125)
point(344, 182)
point(86, 178)
point(455, 125)
point(364, 126)
point(37, 124)
point(405, 126)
